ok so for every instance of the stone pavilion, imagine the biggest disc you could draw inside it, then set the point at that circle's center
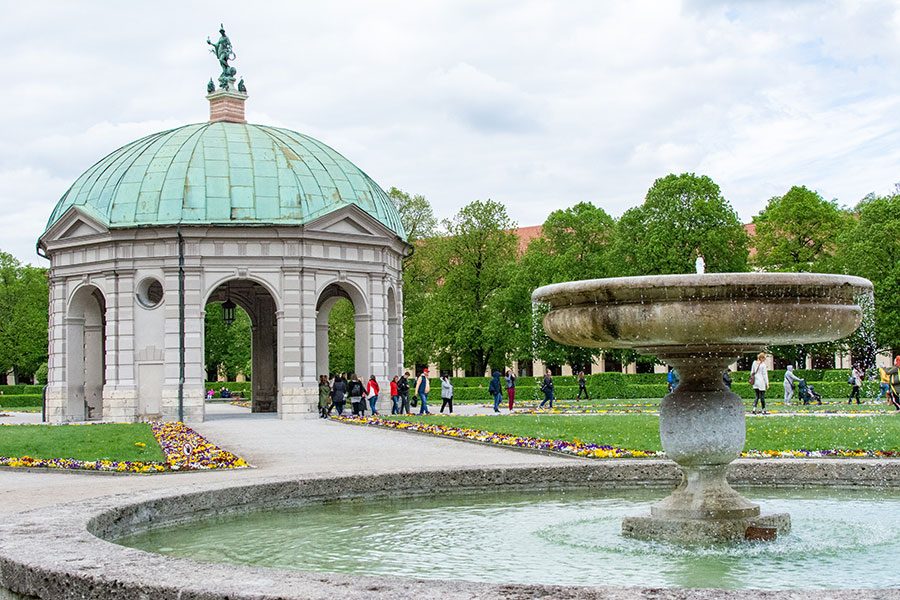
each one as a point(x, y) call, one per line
point(264, 218)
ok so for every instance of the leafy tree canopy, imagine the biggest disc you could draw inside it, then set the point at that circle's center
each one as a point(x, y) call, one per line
point(227, 345)
point(24, 312)
point(870, 247)
point(682, 217)
point(341, 338)
point(797, 231)
point(415, 214)
point(472, 266)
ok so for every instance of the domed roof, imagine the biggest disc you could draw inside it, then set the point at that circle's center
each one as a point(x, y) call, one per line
point(225, 173)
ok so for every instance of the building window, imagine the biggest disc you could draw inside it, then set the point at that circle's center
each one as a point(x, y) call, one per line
point(149, 292)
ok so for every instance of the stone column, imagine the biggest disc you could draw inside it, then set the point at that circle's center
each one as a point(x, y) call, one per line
point(93, 372)
point(56, 358)
point(263, 356)
point(297, 327)
point(75, 408)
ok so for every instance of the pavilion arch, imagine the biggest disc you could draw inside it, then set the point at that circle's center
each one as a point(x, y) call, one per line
point(85, 326)
point(325, 301)
point(261, 305)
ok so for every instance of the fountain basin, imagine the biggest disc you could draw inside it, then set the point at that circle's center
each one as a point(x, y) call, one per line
point(729, 313)
point(61, 552)
point(699, 324)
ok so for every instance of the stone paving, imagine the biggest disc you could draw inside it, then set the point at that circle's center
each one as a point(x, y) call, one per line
point(275, 448)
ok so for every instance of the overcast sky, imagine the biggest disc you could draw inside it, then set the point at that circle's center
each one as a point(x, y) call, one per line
point(536, 104)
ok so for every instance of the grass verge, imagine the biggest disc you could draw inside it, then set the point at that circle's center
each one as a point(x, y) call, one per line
point(877, 433)
point(114, 442)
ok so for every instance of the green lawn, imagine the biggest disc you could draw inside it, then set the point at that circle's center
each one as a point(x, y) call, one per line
point(652, 405)
point(83, 442)
point(641, 432)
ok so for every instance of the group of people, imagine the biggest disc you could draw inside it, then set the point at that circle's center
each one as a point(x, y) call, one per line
point(334, 392)
point(759, 380)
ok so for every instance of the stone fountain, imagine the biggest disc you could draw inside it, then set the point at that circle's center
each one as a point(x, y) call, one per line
point(699, 324)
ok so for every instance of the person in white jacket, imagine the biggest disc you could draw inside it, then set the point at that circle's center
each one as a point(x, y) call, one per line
point(789, 380)
point(760, 376)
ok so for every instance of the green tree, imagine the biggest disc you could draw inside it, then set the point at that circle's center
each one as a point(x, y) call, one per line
point(471, 269)
point(575, 243)
point(228, 346)
point(24, 313)
point(341, 338)
point(797, 231)
point(682, 217)
point(419, 283)
point(869, 248)
point(415, 214)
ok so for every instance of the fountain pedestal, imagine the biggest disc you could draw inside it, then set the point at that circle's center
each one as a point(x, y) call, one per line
point(702, 429)
point(700, 324)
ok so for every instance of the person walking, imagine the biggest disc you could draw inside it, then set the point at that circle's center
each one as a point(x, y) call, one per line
point(510, 388)
point(893, 374)
point(885, 383)
point(446, 393)
point(790, 381)
point(403, 392)
point(582, 386)
point(495, 391)
point(339, 393)
point(372, 393)
point(726, 378)
point(759, 381)
point(422, 389)
point(355, 391)
point(324, 396)
point(672, 379)
point(395, 396)
point(855, 381)
point(547, 388)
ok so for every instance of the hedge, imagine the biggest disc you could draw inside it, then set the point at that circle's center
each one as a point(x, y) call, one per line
point(21, 388)
point(17, 400)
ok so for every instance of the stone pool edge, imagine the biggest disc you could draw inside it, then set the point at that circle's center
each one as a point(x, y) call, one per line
point(55, 552)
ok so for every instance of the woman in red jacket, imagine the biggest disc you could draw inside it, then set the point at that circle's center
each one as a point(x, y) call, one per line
point(395, 396)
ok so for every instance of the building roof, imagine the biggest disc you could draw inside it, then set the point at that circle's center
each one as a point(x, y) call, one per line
point(224, 173)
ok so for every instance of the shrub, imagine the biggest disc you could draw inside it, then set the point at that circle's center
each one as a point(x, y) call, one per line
point(18, 400)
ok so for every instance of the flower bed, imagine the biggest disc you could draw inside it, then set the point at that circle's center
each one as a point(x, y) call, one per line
point(184, 449)
point(575, 448)
point(588, 450)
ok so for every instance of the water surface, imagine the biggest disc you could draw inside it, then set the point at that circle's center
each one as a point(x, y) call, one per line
point(840, 539)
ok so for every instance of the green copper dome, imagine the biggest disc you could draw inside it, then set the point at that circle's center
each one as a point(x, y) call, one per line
point(225, 173)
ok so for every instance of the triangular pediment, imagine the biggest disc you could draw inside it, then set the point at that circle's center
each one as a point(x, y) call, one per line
point(351, 220)
point(76, 222)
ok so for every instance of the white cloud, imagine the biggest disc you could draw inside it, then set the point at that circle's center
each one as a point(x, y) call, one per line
point(535, 103)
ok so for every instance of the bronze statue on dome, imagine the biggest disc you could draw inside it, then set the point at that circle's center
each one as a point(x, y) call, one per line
point(224, 52)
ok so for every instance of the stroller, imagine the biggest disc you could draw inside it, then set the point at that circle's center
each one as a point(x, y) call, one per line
point(808, 393)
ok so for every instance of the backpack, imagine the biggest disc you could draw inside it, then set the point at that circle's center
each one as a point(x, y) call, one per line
point(753, 376)
point(895, 378)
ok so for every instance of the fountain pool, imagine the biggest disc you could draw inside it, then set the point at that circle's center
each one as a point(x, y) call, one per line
point(562, 537)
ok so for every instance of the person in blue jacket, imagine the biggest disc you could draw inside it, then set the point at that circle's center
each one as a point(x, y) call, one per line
point(547, 388)
point(495, 390)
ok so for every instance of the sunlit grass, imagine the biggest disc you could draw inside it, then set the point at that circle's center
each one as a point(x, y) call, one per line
point(114, 442)
point(641, 432)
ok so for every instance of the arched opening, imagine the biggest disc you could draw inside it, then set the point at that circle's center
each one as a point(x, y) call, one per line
point(337, 297)
point(341, 338)
point(86, 354)
point(260, 308)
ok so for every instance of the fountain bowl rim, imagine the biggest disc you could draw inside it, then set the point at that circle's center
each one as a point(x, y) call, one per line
point(720, 286)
